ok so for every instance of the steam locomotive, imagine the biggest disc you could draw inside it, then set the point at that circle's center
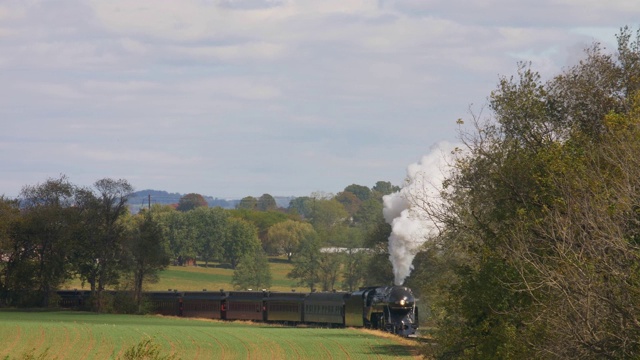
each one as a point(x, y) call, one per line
point(388, 308)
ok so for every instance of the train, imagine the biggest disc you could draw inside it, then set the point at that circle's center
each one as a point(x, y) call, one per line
point(388, 308)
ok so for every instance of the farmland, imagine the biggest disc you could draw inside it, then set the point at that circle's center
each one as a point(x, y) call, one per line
point(214, 277)
point(81, 335)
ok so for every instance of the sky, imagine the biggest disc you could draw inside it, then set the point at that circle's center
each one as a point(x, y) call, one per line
point(231, 98)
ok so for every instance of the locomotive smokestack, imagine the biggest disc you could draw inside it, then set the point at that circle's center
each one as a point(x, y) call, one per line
point(409, 211)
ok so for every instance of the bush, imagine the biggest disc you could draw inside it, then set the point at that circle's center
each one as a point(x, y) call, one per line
point(118, 302)
point(30, 355)
point(146, 349)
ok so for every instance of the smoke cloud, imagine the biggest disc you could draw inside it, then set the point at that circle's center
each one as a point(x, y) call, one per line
point(407, 211)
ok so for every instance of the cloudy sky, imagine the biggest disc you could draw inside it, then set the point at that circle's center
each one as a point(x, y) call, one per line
point(230, 98)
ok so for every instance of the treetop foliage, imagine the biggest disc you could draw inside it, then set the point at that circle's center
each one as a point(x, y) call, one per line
point(191, 201)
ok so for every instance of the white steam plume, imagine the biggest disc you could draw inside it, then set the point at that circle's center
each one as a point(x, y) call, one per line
point(407, 210)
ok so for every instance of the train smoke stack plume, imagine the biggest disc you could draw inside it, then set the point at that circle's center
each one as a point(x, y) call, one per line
point(408, 210)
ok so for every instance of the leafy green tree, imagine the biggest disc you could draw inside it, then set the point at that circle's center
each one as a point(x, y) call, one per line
point(175, 227)
point(537, 257)
point(98, 253)
point(266, 202)
point(369, 215)
point(329, 266)
point(306, 263)
point(285, 237)
point(191, 201)
point(354, 269)
point(241, 239)
point(378, 267)
point(328, 216)
point(382, 188)
point(354, 260)
point(147, 251)
point(349, 201)
point(44, 237)
point(248, 203)
point(302, 206)
point(262, 220)
point(253, 271)
point(208, 231)
point(360, 191)
point(9, 217)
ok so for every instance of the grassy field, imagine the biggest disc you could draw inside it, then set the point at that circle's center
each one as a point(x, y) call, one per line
point(78, 335)
point(213, 277)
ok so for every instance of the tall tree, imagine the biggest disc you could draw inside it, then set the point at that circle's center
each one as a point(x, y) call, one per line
point(248, 203)
point(360, 191)
point(182, 245)
point(44, 237)
point(539, 244)
point(382, 188)
point(241, 239)
point(98, 254)
point(354, 269)
point(329, 265)
point(208, 230)
point(285, 237)
point(262, 220)
point(191, 201)
point(302, 206)
point(350, 201)
point(9, 217)
point(306, 263)
point(328, 215)
point(253, 271)
point(147, 251)
point(369, 215)
point(266, 202)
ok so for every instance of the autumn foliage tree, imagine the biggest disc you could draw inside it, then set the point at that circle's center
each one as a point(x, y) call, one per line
point(191, 201)
point(538, 254)
point(285, 237)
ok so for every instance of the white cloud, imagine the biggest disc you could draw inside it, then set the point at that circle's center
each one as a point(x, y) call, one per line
point(54, 90)
point(262, 94)
point(236, 87)
point(257, 51)
point(121, 86)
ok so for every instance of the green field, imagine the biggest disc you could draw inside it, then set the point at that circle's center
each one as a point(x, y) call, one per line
point(80, 335)
point(214, 277)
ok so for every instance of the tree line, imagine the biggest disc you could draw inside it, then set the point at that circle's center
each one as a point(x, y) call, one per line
point(538, 256)
point(349, 220)
point(56, 231)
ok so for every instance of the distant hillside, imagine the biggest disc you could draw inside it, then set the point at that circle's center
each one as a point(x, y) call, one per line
point(141, 198)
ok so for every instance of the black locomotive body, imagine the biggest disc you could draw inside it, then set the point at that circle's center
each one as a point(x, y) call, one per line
point(388, 308)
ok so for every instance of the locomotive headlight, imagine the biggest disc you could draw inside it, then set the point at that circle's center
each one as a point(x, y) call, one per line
point(402, 302)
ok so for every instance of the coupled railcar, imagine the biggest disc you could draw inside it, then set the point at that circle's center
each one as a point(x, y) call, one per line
point(325, 308)
point(388, 308)
point(285, 307)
